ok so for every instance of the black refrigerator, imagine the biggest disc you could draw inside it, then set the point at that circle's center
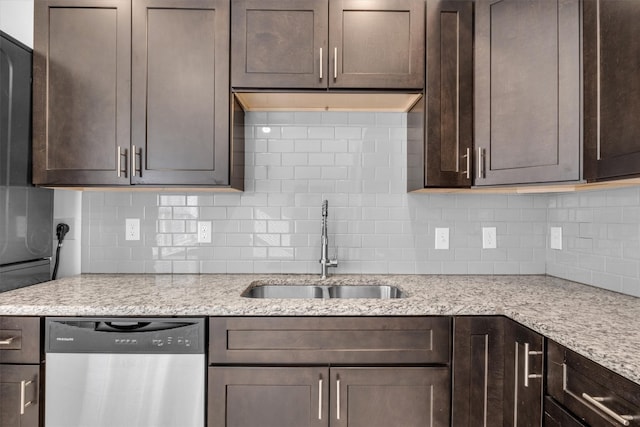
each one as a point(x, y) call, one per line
point(26, 212)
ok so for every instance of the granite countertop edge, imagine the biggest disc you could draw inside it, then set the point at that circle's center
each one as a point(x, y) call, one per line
point(601, 325)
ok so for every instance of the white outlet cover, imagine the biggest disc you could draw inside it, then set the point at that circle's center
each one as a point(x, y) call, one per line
point(442, 238)
point(555, 240)
point(489, 238)
point(204, 231)
point(132, 229)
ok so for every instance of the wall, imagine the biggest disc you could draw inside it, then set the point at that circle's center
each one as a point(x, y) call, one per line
point(357, 161)
point(601, 238)
point(16, 19)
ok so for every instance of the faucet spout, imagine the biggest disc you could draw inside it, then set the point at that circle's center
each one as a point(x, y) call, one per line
point(325, 261)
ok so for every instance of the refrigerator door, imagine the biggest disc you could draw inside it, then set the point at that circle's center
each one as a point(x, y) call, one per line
point(26, 212)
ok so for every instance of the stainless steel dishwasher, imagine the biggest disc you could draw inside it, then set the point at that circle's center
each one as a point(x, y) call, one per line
point(117, 372)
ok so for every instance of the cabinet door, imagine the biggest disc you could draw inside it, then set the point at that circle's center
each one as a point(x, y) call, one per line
point(523, 375)
point(611, 88)
point(19, 387)
point(449, 124)
point(81, 99)
point(268, 397)
point(279, 43)
point(478, 371)
point(527, 91)
point(180, 92)
point(376, 44)
point(383, 397)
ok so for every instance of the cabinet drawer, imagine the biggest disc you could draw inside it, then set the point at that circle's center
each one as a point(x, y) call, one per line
point(556, 416)
point(335, 340)
point(19, 340)
point(594, 394)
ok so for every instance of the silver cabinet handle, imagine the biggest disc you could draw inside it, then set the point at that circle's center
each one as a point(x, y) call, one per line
point(23, 392)
point(467, 156)
point(320, 398)
point(480, 163)
point(320, 63)
point(118, 155)
point(7, 341)
point(337, 398)
point(527, 375)
point(133, 160)
point(596, 401)
point(335, 63)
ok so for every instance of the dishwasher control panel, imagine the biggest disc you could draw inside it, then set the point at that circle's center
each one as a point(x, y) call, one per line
point(125, 335)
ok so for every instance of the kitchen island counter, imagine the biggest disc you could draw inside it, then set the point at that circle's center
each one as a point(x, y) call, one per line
point(601, 325)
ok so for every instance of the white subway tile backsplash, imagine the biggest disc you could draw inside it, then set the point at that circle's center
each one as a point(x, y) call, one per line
point(357, 161)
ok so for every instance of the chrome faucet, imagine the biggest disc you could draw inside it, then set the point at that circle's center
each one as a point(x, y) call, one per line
point(325, 262)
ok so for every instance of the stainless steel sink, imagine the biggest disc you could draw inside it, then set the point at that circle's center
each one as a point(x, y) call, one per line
point(285, 291)
point(366, 291)
point(314, 291)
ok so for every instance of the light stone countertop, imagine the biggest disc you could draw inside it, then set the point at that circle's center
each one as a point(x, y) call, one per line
point(601, 325)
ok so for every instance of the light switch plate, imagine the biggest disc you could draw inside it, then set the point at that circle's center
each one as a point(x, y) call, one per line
point(489, 238)
point(555, 240)
point(204, 231)
point(442, 238)
point(132, 229)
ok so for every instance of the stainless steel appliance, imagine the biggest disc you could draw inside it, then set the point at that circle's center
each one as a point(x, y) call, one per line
point(115, 372)
point(26, 212)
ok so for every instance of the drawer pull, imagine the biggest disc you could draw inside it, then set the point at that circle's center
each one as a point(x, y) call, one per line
point(23, 392)
point(7, 341)
point(596, 401)
point(320, 398)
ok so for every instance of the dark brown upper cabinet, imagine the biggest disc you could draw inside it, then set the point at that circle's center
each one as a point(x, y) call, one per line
point(319, 44)
point(440, 142)
point(180, 92)
point(611, 89)
point(81, 91)
point(527, 91)
point(133, 93)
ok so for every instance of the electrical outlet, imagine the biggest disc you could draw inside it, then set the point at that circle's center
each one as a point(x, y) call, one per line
point(555, 240)
point(132, 229)
point(442, 238)
point(489, 238)
point(204, 231)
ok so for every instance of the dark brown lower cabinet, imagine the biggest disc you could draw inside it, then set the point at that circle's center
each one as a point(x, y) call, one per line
point(321, 396)
point(478, 370)
point(497, 373)
point(591, 393)
point(19, 391)
point(523, 375)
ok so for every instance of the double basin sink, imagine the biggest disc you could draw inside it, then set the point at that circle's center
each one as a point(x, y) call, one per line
point(317, 291)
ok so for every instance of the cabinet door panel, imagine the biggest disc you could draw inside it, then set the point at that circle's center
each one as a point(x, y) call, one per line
point(277, 43)
point(180, 92)
point(523, 376)
point(82, 60)
point(528, 91)
point(16, 382)
point(612, 89)
point(268, 397)
point(376, 44)
point(478, 364)
point(449, 130)
point(382, 397)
